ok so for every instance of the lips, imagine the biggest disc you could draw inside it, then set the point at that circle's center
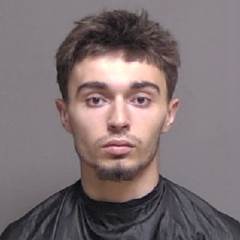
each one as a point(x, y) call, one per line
point(118, 147)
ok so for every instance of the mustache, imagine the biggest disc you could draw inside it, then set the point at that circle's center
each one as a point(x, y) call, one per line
point(128, 137)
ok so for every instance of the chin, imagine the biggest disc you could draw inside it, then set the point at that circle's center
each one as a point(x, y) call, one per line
point(119, 172)
point(116, 175)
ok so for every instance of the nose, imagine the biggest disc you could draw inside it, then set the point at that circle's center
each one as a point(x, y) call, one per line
point(118, 121)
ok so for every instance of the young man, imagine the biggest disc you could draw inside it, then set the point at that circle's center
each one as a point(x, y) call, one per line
point(117, 72)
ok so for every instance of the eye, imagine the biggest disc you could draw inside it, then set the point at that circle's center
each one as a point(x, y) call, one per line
point(95, 101)
point(141, 101)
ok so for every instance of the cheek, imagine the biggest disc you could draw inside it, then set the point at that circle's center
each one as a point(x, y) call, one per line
point(149, 131)
point(85, 127)
point(149, 125)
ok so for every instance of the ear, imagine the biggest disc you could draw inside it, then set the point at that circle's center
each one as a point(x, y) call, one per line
point(173, 106)
point(63, 114)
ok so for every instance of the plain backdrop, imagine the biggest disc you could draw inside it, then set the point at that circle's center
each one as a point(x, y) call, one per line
point(202, 150)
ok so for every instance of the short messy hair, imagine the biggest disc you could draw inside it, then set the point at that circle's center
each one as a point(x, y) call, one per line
point(133, 34)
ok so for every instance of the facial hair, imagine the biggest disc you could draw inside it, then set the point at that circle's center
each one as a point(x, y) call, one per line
point(119, 172)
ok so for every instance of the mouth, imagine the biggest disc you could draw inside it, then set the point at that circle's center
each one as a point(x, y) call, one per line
point(117, 150)
point(118, 147)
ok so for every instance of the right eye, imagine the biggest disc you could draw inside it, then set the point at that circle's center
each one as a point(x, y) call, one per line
point(95, 101)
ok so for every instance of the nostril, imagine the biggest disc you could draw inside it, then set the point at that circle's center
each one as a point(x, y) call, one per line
point(118, 127)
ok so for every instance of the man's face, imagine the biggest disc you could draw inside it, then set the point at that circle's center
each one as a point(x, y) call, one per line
point(116, 113)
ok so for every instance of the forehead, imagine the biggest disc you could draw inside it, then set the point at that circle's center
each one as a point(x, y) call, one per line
point(115, 72)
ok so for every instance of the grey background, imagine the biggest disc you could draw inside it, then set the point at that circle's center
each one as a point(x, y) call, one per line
point(202, 150)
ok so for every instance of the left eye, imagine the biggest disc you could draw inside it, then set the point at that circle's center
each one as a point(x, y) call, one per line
point(141, 101)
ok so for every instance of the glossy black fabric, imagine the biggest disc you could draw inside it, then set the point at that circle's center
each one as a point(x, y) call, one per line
point(169, 212)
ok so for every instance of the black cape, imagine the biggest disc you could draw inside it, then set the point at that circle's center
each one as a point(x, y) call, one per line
point(169, 212)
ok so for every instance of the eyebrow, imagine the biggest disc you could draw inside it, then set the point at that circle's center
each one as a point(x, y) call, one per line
point(104, 86)
point(92, 85)
point(144, 84)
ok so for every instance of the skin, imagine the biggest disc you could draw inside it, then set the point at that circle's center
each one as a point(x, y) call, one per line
point(109, 98)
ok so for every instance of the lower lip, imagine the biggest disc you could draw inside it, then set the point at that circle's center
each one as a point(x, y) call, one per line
point(117, 150)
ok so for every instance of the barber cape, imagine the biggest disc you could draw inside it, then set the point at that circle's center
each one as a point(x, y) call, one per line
point(168, 212)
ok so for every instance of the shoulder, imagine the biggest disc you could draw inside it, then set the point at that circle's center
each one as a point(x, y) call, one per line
point(198, 215)
point(45, 215)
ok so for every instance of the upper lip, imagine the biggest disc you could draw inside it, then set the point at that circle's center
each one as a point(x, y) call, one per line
point(119, 142)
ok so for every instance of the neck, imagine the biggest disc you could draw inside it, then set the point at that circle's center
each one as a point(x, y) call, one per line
point(122, 191)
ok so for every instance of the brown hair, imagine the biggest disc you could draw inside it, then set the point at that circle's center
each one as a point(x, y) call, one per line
point(137, 37)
